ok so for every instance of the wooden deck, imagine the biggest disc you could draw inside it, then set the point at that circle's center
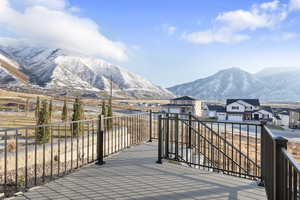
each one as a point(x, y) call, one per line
point(133, 174)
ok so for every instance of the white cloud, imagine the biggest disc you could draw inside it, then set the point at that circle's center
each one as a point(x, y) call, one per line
point(170, 30)
point(52, 4)
point(294, 5)
point(273, 5)
point(209, 36)
point(52, 24)
point(289, 36)
point(229, 26)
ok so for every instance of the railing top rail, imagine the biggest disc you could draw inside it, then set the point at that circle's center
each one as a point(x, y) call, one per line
point(63, 123)
point(291, 159)
point(211, 121)
point(270, 132)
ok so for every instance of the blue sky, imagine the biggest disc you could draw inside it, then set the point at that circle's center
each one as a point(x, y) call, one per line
point(170, 41)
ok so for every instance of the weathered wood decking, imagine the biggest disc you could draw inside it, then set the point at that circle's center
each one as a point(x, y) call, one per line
point(133, 174)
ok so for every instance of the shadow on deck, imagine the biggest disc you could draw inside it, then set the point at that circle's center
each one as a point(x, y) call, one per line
point(133, 174)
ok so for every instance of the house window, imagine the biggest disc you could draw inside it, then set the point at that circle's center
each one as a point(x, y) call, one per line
point(234, 107)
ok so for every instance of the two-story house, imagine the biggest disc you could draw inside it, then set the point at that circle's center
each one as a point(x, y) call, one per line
point(294, 118)
point(183, 105)
point(242, 109)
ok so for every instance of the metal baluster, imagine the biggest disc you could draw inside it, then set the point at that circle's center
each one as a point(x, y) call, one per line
point(16, 168)
point(77, 143)
point(26, 158)
point(35, 158)
point(88, 144)
point(72, 131)
point(240, 149)
point(247, 149)
point(93, 141)
point(44, 156)
point(58, 151)
point(82, 144)
point(5, 161)
point(51, 152)
point(65, 148)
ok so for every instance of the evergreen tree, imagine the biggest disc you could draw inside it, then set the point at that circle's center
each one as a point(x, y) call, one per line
point(43, 133)
point(64, 115)
point(78, 114)
point(50, 110)
point(103, 109)
point(37, 109)
point(27, 107)
point(109, 115)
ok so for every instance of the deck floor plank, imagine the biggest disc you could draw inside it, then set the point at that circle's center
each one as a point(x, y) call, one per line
point(133, 174)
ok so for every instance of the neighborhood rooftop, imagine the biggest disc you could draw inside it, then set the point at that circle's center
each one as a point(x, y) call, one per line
point(217, 108)
point(183, 98)
point(254, 102)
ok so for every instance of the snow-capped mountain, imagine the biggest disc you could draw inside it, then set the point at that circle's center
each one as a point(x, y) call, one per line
point(56, 68)
point(269, 84)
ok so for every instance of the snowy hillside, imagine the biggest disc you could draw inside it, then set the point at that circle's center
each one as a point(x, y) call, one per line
point(270, 84)
point(56, 68)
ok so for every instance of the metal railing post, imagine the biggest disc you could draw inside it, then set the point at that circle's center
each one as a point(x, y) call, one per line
point(167, 136)
point(279, 187)
point(100, 142)
point(159, 156)
point(262, 152)
point(176, 136)
point(190, 131)
point(150, 126)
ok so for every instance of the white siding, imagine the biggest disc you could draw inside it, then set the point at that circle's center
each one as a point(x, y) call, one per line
point(235, 117)
point(285, 119)
point(198, 108)
point(235, 107)
point(221, 116)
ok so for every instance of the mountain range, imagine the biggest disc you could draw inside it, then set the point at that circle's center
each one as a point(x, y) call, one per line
point(269, 84)
point(50, 68)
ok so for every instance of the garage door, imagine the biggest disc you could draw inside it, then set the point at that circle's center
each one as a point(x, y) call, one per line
point(235, 118)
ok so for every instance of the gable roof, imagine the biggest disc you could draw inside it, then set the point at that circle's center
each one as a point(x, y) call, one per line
point(217, 108)
point(184, 98)
point(266, 108)
point(253, 102)
point(296, 110)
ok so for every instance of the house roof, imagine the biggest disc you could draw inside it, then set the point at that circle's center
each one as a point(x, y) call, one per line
point(217, 108)
point(296, 110)
point(254, 102)
point(177, 105)
point(266, 108)
point(184, 98)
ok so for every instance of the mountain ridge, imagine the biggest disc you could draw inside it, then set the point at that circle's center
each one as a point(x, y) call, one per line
point(56, 68)
point(237, 83)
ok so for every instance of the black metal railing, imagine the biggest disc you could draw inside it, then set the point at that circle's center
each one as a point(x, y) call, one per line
point(281, 172)
point(34, 155)
point(231, 148)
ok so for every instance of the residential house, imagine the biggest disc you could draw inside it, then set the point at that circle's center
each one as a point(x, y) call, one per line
point(282, 116)
point(294, 121)
point(216, 111)
point(183, 105)
point(242, 109)
point(263, 113)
